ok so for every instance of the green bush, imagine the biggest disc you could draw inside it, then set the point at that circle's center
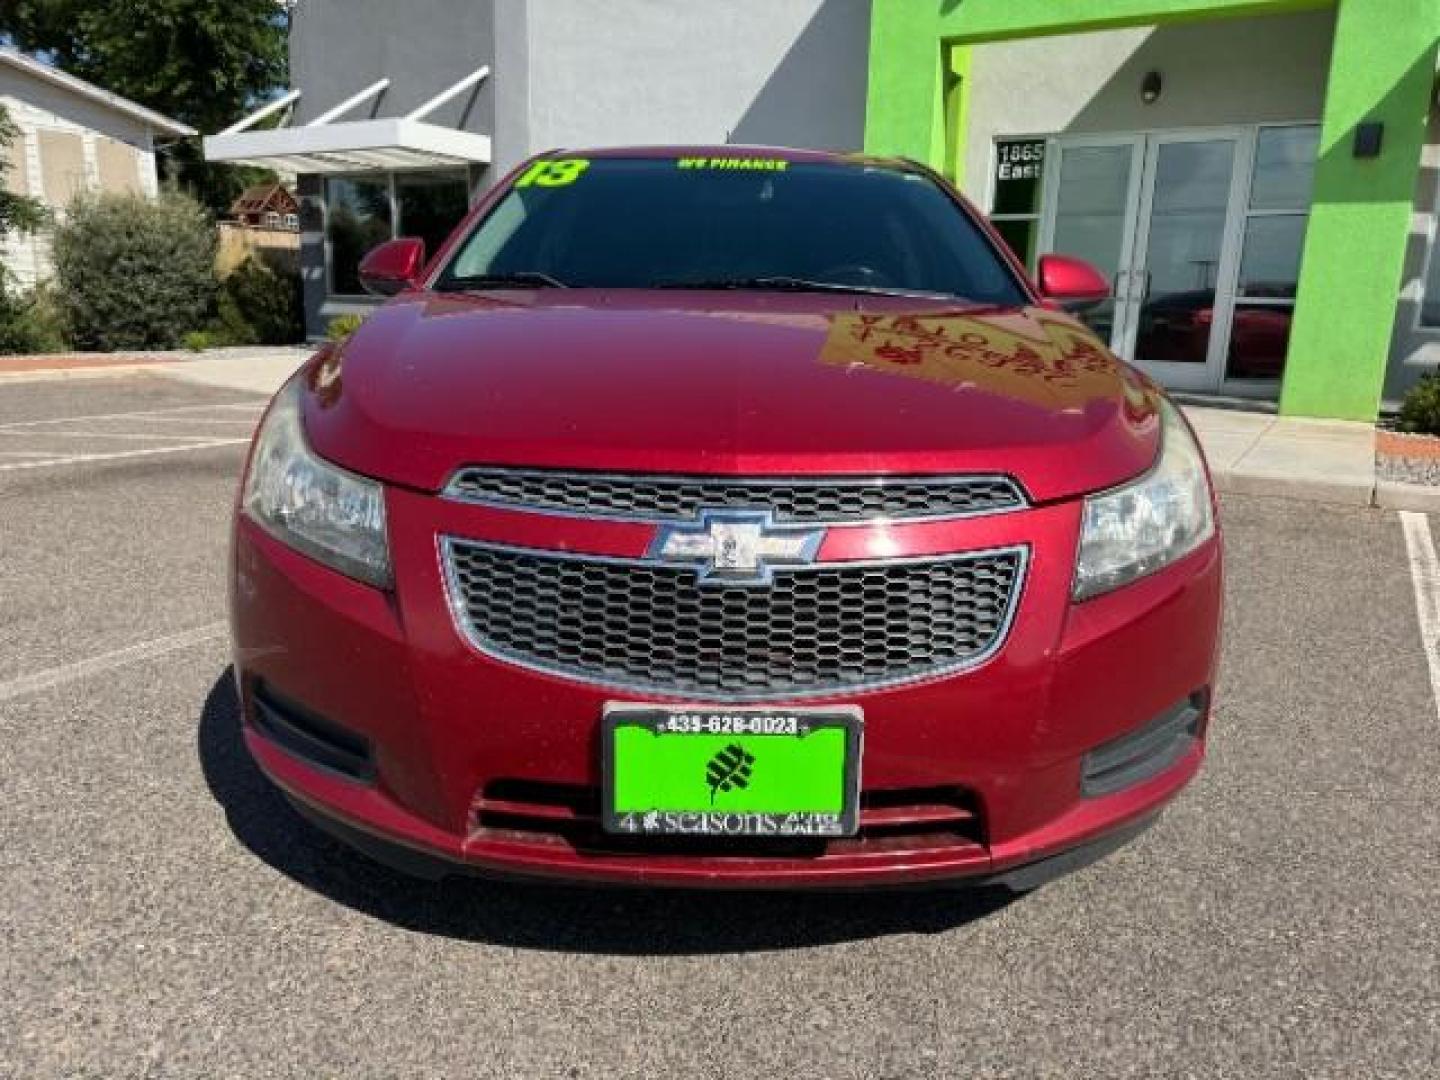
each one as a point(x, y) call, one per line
point(1420, 410)
point(342, 326)
point(135, 274)
point(31, 323)
point(199, 340)
point(260, 306)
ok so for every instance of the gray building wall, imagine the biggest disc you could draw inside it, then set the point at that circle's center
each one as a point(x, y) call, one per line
point(339, 47)
point(655, 71)
point(1231, 71)
point(583, 73)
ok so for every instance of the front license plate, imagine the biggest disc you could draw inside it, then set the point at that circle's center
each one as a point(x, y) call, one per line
point(676, 771)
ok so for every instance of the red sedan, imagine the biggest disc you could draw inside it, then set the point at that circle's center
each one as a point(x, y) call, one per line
point(726, 517)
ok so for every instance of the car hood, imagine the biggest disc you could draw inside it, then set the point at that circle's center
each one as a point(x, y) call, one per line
point(736, 383)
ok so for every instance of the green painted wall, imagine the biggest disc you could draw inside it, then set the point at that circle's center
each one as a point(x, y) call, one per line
point(1382, 68)
point(905, 114)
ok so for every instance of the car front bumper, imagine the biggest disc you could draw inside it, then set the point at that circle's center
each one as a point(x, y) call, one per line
point(468, 763)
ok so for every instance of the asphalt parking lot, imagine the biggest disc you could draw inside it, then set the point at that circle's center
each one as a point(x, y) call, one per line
point(164, 913)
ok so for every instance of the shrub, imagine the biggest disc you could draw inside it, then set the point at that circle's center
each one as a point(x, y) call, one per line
point(198, 340)
point(342, 326)
point(135, 274)
point(260, 306)
point(1420, 409)
point(30, 323)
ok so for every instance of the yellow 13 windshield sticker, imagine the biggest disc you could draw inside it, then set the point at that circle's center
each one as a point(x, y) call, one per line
point(553, 173)
point(750, 164)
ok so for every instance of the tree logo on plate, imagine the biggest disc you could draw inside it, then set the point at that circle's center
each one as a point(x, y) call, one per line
point(729, 769)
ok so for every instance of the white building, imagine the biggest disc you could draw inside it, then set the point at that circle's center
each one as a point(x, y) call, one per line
point(75, 138)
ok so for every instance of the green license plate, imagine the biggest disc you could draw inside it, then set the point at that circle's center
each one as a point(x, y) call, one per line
point(677, 771)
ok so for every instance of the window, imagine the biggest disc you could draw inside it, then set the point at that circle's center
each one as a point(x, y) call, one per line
point(1015, 205)
point(292, 222)
point(272, 220)
point(1430, 301)
point(1271, 246)
point(358, 217)
point(363, 212)
point(431, 205)
point(1429, 314)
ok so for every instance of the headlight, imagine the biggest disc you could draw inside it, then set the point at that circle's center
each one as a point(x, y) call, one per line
point(1136, 529)
point(329, 514)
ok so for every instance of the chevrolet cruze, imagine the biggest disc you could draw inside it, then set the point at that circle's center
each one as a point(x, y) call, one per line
point(726, 517)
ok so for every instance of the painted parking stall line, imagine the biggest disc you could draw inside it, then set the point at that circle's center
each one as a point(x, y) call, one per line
point(255, 408)
point(109, 661)
point(82, 459)
point(1425, 577)
point(89, 438)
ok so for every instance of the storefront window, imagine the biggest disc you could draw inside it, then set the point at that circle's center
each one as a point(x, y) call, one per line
point(358, 218)
point(362, 212)
point(431, 205)
point(1274, 240)
point(1430, 303)
point(1015, 207)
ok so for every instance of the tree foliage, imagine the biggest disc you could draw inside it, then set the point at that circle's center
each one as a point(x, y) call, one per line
point(18, 213)
point(203, 62)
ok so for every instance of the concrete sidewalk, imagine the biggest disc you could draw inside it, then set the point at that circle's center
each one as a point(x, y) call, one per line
point(1257, 453)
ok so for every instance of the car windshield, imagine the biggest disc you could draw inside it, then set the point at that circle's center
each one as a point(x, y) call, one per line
point(747, 222)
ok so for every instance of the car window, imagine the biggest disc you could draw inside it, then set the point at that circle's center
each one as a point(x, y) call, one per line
point(652, 222)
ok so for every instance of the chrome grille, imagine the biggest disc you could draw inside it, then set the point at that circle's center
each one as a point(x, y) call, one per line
point(832, 500)
point(815, 630)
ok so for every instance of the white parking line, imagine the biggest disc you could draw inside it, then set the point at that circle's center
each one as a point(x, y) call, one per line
point(148, 436)
point(82, 669)
point(254, 407)
point(82, 459)
point(192, 420)
point(1425, 576)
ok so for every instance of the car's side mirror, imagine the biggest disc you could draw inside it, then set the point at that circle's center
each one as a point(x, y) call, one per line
point(393, 267)
point(1072, 284)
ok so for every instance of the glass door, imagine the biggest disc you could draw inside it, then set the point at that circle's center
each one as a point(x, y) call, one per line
point(1093, 187)
point(1178, 298)
point(1160, 214)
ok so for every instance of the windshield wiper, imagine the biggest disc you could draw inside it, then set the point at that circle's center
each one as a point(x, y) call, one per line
point(783, 283)
point(519, 279)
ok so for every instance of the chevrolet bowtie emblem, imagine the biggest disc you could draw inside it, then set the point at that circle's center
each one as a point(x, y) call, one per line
point(735, 547)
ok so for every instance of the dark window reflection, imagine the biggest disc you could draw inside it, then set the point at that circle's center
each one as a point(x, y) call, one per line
point(1023, 236)
point(1259, 339)
point(431, 205)
point(1175, 327)
point(357, 219)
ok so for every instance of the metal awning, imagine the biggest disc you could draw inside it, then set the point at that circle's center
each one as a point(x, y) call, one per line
point(324, 146)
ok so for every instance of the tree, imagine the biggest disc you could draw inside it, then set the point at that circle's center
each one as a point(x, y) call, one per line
point(204, 62)
point(24, 323)
point(18, 213)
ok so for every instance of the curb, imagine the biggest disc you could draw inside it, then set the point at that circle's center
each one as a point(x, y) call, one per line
point(1382, 494)
point(1397, 495)
point(1304, 489)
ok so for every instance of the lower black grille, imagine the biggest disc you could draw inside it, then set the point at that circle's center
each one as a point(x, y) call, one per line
point(913, 819)
point(310, 736)
point(1144, 753)
point(812, 630)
